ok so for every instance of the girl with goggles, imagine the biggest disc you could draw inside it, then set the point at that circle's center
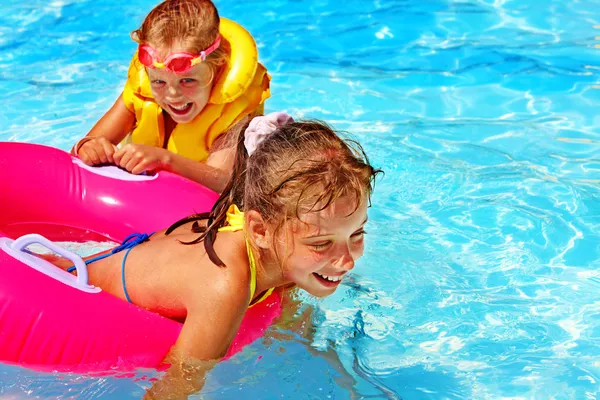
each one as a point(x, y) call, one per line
point(174, 110)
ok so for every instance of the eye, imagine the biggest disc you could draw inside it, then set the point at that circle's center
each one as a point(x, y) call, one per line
point(359, 235)
point(157, 83)
point(187, 82)
point(320, 245)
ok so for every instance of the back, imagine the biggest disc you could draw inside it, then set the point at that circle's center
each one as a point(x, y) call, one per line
point(166, 276)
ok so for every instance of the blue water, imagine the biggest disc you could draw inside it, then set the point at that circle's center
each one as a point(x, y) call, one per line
point(481, 276)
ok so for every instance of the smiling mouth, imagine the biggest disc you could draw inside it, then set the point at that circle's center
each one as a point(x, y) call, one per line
point(329, 281)
point(180, 110)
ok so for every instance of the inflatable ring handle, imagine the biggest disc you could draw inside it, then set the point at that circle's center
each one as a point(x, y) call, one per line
point(80, 282)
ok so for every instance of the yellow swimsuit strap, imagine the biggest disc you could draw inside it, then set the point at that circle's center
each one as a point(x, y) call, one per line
point(235, 219)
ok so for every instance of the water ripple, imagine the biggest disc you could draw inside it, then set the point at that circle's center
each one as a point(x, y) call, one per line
point(481, 272)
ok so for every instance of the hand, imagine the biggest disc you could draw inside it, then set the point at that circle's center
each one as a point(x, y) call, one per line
point(184, 377)
point(137, 158)
point(98, 150)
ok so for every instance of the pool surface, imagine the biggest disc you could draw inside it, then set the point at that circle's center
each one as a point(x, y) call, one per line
point(481, 277)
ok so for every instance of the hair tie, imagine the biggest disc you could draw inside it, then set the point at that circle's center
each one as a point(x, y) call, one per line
point(261, 127)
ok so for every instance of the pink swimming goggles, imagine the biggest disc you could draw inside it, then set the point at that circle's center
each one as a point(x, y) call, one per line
point(177, 62)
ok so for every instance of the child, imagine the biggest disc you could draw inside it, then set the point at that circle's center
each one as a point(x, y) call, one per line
point(304, 193)
point(192, 79)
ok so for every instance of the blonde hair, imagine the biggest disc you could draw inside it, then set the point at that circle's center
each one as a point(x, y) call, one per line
point(192, 24)
point(301, 167)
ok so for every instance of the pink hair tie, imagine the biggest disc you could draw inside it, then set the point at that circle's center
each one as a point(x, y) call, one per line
point(261, 127)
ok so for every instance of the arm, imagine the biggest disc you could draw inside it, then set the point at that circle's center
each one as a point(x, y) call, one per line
point(209, 329)
point(115, 124)
point(214, 174)
point(296, 325)
point(295, 318)
point(99, 145)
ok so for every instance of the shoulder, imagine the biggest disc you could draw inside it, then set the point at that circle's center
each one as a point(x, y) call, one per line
point(229, 285)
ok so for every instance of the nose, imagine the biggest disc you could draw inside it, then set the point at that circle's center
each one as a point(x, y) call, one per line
point(172, 90)
point(345, 261)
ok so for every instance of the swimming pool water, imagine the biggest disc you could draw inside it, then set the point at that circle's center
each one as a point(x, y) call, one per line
point(481, 274)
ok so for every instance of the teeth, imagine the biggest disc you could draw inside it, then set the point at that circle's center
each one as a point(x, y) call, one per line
point(331, 278)
point(182, 107)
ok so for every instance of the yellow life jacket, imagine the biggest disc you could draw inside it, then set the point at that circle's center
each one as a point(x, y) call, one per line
point(241, 89)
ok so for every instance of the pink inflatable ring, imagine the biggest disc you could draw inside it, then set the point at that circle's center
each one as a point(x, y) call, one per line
point(50, 319)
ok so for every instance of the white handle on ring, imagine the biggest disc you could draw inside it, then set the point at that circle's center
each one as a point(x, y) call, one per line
point(114, 172)
point(17, 250)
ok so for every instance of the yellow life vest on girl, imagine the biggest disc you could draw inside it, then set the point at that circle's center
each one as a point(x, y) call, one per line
point(241, 89)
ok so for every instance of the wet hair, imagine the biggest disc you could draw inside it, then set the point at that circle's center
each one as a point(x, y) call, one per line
point(192, 24)
point(301, 167)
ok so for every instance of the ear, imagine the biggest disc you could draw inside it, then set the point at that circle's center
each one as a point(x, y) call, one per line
point(258, 230)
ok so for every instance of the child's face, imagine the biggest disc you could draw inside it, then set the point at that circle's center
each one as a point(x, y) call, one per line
point(184, 95)
point(322, 246)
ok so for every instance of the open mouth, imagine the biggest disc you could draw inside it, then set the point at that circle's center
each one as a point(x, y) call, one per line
point(180, 110)
point(328, 281)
